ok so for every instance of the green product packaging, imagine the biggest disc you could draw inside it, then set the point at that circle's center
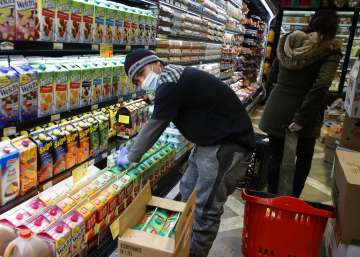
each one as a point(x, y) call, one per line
point(97, 82)
point(107, 80)
point(145, 220)
point(94, 139)
point(100, 19)
point(103, 132)
point(157, 222)
point(169, 227)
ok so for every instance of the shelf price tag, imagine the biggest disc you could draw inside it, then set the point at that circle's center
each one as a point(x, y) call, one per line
point(9, 131)
point(55, 117)
point(128, 48)
point(58, 46)
point(94, 107)
point(106, 50)
point(95, 47)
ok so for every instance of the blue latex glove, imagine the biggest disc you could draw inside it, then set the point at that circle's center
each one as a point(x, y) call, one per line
point(122, 157)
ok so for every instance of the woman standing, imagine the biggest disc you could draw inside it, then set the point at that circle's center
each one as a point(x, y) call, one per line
point(300, 78)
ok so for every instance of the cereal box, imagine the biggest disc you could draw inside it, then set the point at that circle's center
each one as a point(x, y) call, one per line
point(61, 82)
point(59, 150)
point(74, 85)
point(45, 86)
point(46, 11)
point(76, 223)
point(100, 19)
point(94, 136)
point(97, 83)
point(28, 163)
point(88, 212)
point(83, 130)
point(28, 91)
point(107, 80)
point(87, 24)
point(72, 139)
point(86, 84)
point(9, 95)
point(59, 238)
point(9, 181)
point(119, 22)
point(7, 20)
point(26, 20)
point(44, 145)
point(74, 28)
point(62, 20)
point(111, 13)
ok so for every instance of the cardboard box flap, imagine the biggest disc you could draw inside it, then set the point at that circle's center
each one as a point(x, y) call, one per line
point(132, 214)
point(186, 214)
point(350, 163)
point(167, 204)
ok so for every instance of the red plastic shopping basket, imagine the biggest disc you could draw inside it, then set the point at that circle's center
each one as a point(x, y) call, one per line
point(282, 226)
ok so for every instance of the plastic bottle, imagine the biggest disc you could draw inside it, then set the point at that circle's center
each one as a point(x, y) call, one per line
point(27, 245)
point(7, 234)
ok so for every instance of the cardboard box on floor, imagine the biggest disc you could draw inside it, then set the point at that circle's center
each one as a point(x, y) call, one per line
point(335, 248)
point(142, 244)
point(346, 194)
point(351, 134)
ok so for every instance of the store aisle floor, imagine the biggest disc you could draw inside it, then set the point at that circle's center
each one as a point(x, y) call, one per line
point(318, 184)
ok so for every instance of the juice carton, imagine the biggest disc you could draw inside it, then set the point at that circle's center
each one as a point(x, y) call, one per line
point(86, 84)
point(76, 223)
point(53, 213)
point(116, 70)
point(26, 20)
point(59, 238)
point(7, 20)
point(153, 20)
point(37, 224)
point(147, 33)
point(9, 95)
point(88, 213)
point(112, 118)
point(94, 136)
point(66, 204)
point(62, 20)
point(100, 202)
point(127, 26)
point(111, 13)
point(72, 139)
point(17, 218)
point(90, 189)
point(119, 24)
point(45, 86)
point(142, 23)
point(87, 24)
point(135, 39)
point(100, 19)
point(34, 207)
point(45, 146)
point(124, 90)
point(59, 150)
point(83, 152)
point(28, 91)
point(46, 11)
point(79, 196)
point(75, 23)
point(9, 161)
point(103, 132)
point(112, 202)
point(28, 163)
point(97, 83)
point(107, 80)
point(61, 82)
point(74, 76)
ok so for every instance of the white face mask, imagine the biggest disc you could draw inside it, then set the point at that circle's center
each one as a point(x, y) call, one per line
point(151, 81)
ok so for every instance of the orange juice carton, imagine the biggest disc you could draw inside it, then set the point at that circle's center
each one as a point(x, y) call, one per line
point(28, 163)
point(94, 139)
point(58, 236)
point(88, 213)
point(87, 21)
point(53, 213)
point(97, 83)
point(101, 205)
point(103, 132)
point(72, 139)
point(7, 20)
point(86, 83)
point(45, 86)
point(100, 20)
point(16, 218)
point(26, 20)
point(46, 11)
point(116, 70)
point(37, 224)
point(135, 35)
point(9, 95)
point(107, 80)
point(59, 150)
point(74, 28)
point(66, 204)
point(111, 199)
point(28, 91)
point(142, 27)
point(111, 13)
point(34, 207)
point(45, 146)
point(127, 33)
point(62, 20)
point(118, 23)
point(61, 85)
point(84, 143)
point(10, 182)
point(76, 223)
point(74, 85)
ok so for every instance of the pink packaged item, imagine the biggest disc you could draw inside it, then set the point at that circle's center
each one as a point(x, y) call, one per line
point(38, 224)
point(53, 213)
point(34, 207)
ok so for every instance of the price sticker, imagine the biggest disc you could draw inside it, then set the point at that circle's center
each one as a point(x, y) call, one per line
point(79, 172)
point(124, 119)
point(9, 131)
point(55, 117)
point(58, 46)
point(106, 50)
point(94, 107)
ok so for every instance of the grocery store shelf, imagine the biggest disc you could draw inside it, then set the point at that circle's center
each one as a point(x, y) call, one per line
point(196, 62)
point(295, 24)
point(344, 25)
point(187, 38)
point(343, 36)
point(230, 31)
point(356, 38)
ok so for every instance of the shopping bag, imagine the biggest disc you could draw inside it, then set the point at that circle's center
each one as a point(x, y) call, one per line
point(288, 164)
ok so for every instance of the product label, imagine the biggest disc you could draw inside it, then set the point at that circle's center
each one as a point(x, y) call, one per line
point(7, 20)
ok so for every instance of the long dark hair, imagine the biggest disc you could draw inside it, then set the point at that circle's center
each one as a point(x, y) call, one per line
point(325, 23)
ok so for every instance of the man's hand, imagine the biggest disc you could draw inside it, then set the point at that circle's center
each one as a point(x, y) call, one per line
point(294, 127)
point(122, 157)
